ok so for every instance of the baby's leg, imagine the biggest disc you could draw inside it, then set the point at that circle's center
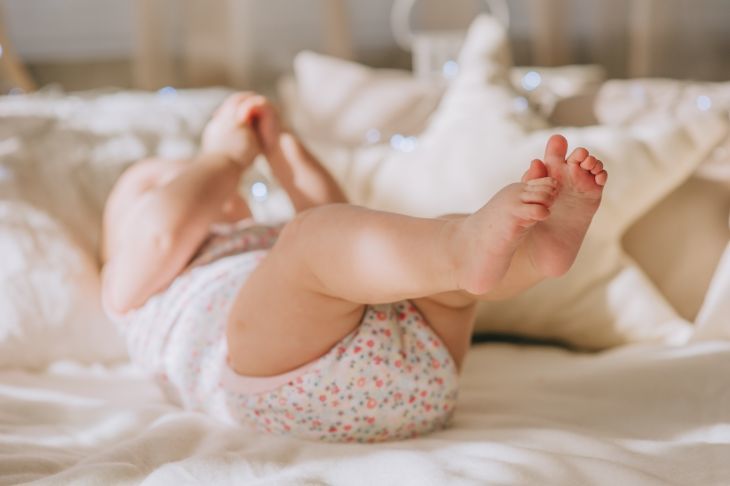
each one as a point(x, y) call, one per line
point(156, 218)
point(152, 240)
point(310, 291)
point(140, 178)
point(300, 174)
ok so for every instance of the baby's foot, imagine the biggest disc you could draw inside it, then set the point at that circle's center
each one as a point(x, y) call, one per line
point(488, 239)
point(229, 132)
point(555, 241)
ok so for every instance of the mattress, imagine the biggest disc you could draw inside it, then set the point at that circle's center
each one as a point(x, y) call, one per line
point(526, 415)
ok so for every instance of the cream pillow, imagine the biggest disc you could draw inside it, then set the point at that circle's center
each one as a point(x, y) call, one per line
point(701, 204)
point(479, 139)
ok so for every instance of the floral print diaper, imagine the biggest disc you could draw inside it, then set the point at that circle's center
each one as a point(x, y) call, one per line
point(390, 378)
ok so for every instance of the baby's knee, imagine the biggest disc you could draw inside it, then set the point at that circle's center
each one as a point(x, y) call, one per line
point(301, 224)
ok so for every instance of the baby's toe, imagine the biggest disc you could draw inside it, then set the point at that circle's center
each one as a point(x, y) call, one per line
point(541, 195)
point(597, 168)
point(589, 163)
point(601, 178)
point(578, 155)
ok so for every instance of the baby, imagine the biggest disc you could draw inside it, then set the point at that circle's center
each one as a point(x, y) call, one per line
point(345, 324)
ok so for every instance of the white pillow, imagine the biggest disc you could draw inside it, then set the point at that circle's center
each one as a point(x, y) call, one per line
point(338, 100)
point(477, 142)
point(334, 100)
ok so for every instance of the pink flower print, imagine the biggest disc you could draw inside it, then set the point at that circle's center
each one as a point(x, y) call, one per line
point(361, 381)
point(387, 332)
point(398, 363)
point(322, 398)
point(435, 363)
point(379, 383)
point(372, 403)
point(380, 315)
point(377, 360)
point(370, 343)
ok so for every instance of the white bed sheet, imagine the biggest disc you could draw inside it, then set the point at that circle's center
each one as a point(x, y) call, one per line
point(527, 415)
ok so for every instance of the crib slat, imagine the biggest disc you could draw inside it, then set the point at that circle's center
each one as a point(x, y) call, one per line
point(10, 61)
point(152, 61)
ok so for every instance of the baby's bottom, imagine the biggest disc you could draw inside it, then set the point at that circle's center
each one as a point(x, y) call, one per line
point(390, 378)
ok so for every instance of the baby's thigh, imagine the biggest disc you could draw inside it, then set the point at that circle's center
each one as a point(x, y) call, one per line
point(278, 323)
point(138, 179)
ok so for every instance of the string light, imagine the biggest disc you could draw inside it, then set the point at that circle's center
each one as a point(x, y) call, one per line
point(403, 143)
point(396, 140)
point(450, 69)
point(703, 103)
point(372, 136)
point(408, 144)
point(531, 80)
point(167, 91)
point(520, 104)
point(259, 191)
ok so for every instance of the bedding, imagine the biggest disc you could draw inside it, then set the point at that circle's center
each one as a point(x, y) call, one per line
point(640, 415)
